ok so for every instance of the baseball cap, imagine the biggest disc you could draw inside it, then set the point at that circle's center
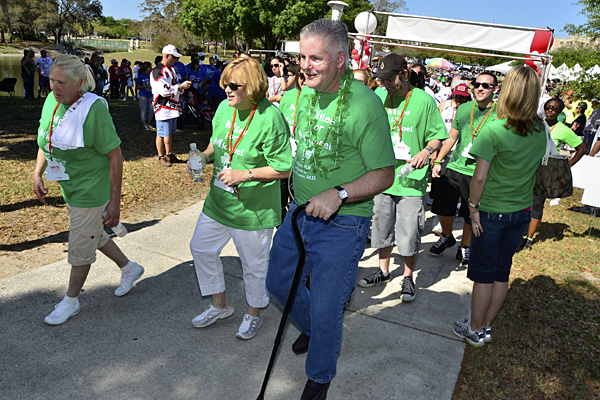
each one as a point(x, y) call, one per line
point(461, 90)
point(114, 60)
point(390, 66)
point(170, 49)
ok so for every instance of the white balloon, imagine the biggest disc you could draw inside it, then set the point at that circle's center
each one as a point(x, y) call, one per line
point(365, 22)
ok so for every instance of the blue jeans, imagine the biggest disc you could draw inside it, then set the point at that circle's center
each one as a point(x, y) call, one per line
point(333, 249)
point(492, 252)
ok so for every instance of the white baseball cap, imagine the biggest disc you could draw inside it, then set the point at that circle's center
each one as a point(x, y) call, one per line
point(170, 49)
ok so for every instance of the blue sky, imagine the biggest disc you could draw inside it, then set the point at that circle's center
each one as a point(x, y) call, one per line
point(554, 14)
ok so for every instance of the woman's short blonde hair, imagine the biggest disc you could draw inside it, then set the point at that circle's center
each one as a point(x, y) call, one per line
point(247, 72)
point(519, 100)
point(75, 69)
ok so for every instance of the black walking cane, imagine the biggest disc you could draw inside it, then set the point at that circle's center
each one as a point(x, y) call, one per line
point(290, 299)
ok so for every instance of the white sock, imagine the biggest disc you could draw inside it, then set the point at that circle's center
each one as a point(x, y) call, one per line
point(72, 301)
point(129, 268)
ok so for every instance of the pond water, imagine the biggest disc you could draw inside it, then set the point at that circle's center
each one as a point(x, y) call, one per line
point(10, 67)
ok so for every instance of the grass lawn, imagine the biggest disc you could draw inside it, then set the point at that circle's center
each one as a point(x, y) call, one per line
point(149, 191)
point(546, 340)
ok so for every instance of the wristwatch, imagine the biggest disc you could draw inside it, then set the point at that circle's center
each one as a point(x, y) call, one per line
point(342, 193)
point(250, 176)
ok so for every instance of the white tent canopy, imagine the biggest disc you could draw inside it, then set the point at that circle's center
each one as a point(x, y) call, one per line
point(502, 68)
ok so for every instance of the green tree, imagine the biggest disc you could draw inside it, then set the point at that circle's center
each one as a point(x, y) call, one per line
point(591, 10)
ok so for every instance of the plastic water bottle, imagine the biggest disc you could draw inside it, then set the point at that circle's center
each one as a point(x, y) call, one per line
point(406, 169)
point(196, 164)
point(118, 230)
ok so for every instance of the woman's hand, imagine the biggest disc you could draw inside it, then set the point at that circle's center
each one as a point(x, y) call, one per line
point(475, 222)
point(233, 177)
point(436, 171)
point(39, 189)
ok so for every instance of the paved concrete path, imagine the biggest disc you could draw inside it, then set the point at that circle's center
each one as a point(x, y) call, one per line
point(143, 345)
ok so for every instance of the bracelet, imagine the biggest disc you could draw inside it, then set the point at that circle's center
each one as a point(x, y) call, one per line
point(429, 150)
point(436, 162)
point(473, 205)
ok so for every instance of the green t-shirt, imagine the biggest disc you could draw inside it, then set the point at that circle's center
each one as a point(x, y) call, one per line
point(287, 106)
point(421, 123)
point(88, 167)
point(365, 144)
point(265, 143)
point(513, 161)
point(563, 134)
point(466, 129)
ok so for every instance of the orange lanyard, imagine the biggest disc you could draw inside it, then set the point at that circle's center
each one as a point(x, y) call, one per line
point(52, 123)
point(485, 119)
point(295, 110)
point(399, 120)
point(231, 147)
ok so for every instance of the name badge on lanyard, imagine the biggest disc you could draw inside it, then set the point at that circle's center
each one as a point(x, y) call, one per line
point(402, 151)
point(56, 171)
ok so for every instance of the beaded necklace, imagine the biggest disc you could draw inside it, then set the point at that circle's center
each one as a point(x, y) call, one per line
point(315, 146)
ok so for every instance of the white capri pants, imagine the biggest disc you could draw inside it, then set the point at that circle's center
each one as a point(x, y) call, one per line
point(253, 248)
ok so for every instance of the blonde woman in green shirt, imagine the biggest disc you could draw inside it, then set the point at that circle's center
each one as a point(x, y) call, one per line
point(508, 152)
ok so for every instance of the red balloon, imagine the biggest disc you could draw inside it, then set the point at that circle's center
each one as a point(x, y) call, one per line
point(368, 52)
point(356, 57)
point(354, 51)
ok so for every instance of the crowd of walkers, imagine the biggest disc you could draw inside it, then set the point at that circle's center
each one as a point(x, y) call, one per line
point(359, 149)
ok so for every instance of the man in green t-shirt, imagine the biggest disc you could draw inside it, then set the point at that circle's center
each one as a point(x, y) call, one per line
point(454, 184)
point(344, 158)
point(417, 129)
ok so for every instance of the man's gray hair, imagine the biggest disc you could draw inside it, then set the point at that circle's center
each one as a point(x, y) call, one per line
point(333, 33)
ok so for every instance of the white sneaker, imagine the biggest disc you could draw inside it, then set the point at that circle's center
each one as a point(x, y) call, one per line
point(249, 327)
point(554, 202)
point(211, 315)
point(128, 279)
point(62, 312)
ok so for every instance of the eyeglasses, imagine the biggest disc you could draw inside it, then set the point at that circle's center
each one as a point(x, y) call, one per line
point(484, 85)
point(233, 86)
point(275, 65)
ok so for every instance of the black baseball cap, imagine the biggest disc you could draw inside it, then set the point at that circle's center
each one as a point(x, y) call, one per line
point(390, 66)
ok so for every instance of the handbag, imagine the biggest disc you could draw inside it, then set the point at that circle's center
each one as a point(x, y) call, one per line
point(553, 177)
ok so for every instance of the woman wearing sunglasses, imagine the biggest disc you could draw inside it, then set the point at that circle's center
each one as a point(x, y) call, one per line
point(278, 82)
point(251, 151)
point(508, 152)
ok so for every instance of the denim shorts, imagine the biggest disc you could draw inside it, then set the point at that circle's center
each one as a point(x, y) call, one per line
point(493, 250)
point(166, 127)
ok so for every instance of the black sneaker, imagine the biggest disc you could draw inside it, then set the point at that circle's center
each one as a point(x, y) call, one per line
point(375, 279)
point(442, 244)
point(462, 255)
point(408, 289)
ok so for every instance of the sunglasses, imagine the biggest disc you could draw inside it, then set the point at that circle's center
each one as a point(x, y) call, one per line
point(234, 86)
point(552, 108)
point(484, 85)
point(275, 65)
